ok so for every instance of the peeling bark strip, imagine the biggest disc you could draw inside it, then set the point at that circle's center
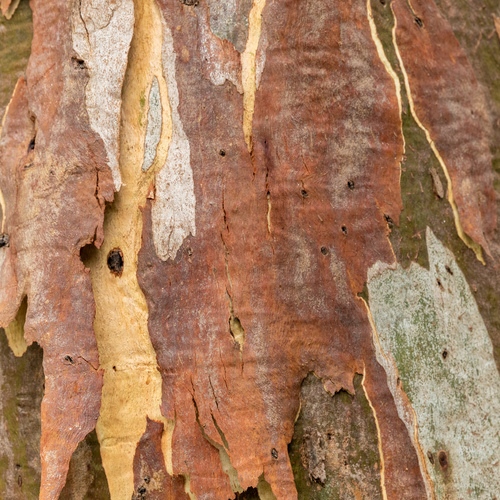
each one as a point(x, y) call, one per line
point(323, 118)
point(449, 106)
point(151, 479)
point(175, 201)
point(55, 182)
point(101, 32)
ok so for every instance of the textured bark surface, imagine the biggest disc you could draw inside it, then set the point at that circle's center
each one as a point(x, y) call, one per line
point(256, 243)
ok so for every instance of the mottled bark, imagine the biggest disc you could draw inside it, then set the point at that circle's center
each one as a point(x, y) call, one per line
point(253, 244)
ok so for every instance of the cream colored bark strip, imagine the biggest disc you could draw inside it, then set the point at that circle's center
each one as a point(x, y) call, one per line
point(430, 329)
point(173, 211)
point(102, 31)
point(382, 55)
point(132, 382)
point(15, 331)
point(460, 231)
point(379, 441)
point(248, 68)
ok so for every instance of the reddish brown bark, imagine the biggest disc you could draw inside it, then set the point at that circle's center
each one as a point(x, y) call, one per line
point(318, 125)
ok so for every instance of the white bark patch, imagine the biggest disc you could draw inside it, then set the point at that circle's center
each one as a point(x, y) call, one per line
point(102, 32)
point(153, 130)
point(432, 336)
point(173, 211)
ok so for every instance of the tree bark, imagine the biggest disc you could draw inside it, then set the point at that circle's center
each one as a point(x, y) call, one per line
point(249, 249)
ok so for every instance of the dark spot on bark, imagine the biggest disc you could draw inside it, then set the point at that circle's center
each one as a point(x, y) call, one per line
point(222, 152)
point(189, 251)
point(444, 353)
point(419, 22)
point(440, 285)
point(18, 466)
point(114, 368)
point(382, 2)
point(78, 63)
point(389, 221)
point(115, 261)
point(448, 270)
point(31, 145)
point(344, 229)
point(19, 481)
point(274, 453)
point(350, 185)
point(430, 456)
point(304, 193)
point(398, 382)
point(190, 3)
point(443, 459)
point(69, 359)
point(4, 240)
point(147, 479)
point(141, 490)
point(324, 250)
point(28, 166)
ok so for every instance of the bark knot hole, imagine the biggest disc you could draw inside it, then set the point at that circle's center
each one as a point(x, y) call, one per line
point(115, 261)
point(443, 459)
point(4, 240)
point(78, 63)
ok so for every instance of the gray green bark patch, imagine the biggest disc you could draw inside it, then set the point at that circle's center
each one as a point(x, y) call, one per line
point(422, 207)
point(21, 393)
point(86, 477)
point(229, 21)
point(15, 48)
point(429, 324)
point(334, 450)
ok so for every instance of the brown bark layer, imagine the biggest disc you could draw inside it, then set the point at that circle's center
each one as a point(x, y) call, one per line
point(55, 182)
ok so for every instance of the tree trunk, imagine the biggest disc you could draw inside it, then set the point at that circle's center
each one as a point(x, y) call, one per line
point(249, 249)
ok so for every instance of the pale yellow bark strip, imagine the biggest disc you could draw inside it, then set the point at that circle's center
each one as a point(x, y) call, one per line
point(132, 383)
point(248, 68)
